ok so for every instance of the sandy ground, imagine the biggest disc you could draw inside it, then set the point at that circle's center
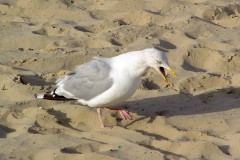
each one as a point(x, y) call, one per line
point(195, 116)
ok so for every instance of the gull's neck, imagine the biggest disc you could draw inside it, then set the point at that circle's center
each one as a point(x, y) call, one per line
point(132, 62)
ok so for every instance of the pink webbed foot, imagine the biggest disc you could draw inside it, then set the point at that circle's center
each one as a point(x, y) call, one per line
point(124, 114)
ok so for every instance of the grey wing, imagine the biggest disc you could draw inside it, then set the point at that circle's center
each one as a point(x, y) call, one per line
point(87, 81)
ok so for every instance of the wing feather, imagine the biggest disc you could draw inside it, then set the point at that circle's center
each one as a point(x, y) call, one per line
point(86, 81)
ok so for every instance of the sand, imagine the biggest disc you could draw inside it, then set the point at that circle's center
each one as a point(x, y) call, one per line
point(195, 116)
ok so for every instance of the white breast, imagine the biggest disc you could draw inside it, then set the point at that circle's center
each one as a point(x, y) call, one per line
point(123, 88)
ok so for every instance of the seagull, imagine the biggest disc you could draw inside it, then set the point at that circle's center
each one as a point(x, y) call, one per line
point(106, 82)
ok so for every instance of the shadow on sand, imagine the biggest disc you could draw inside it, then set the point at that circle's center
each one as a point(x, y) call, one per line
point(187, 104)
point(180, 104)
point(4, 130)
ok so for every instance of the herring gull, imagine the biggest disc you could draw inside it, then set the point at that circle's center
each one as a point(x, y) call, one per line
point(104, 82)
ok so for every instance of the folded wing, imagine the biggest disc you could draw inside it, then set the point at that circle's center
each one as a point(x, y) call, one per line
point(86, 81)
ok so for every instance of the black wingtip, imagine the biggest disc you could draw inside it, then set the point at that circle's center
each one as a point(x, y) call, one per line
point(55, 97)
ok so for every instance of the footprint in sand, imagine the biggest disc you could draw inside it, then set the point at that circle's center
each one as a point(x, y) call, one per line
point(7, 2)
point(149, 85)
point(201, 82)
point(82, 29)
point(231, 97)
point(88, 148)
point(32, 80)
point(51, 31)
point(68, 2)
point(199, 58)
point(222, 12)
point(41, 31)
point(226, 16)
point(36, 129)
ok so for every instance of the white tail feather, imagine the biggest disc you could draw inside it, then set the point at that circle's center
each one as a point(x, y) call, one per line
point(40, 96)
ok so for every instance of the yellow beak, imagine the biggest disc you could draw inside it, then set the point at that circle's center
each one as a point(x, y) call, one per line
point(173, 72)
point(162, 71)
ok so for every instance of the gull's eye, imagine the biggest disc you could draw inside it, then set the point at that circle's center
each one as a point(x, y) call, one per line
point(159, 62)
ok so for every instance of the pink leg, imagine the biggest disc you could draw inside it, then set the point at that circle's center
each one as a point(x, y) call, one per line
point(101, 119)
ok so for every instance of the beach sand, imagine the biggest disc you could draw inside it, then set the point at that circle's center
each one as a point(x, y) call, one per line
point(195, 116)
